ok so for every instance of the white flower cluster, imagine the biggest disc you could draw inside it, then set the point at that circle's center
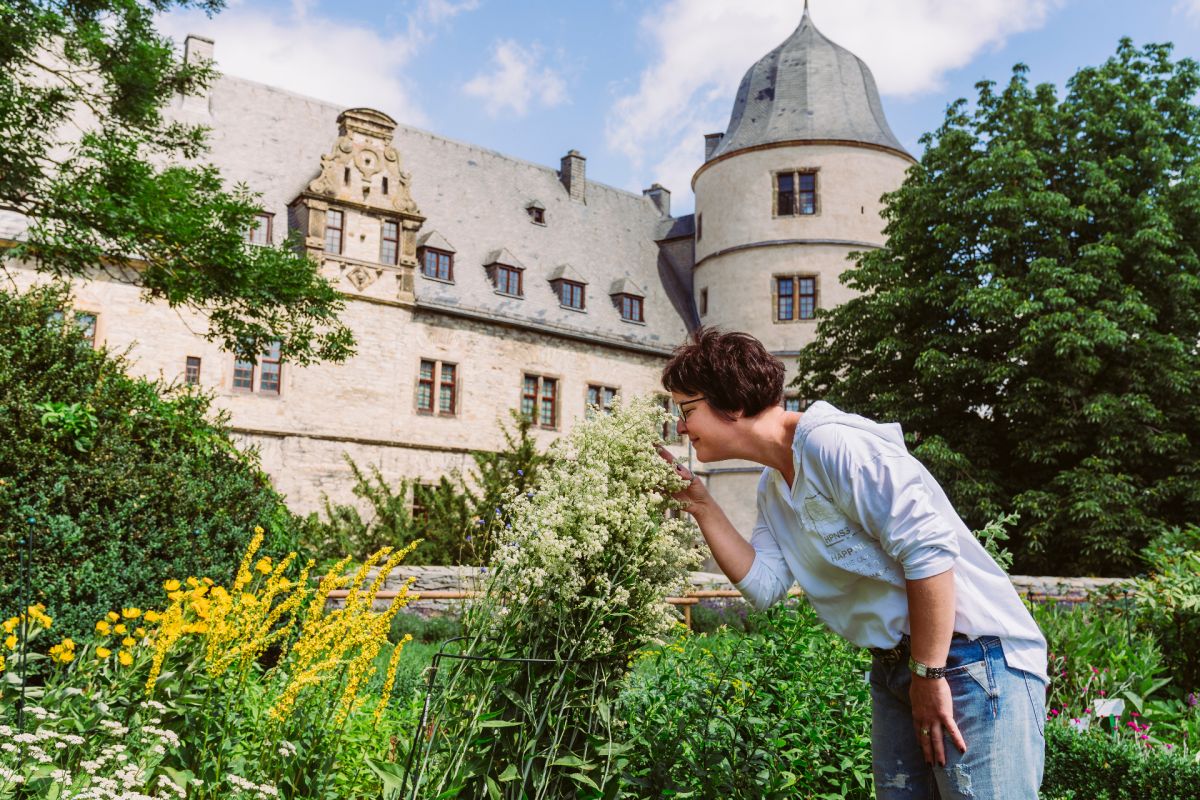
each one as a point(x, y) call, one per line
point(114, 771)
point(589, 556)
point(260, 791)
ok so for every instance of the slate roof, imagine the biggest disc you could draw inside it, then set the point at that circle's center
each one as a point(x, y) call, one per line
point(474, 199)
point(807, 88)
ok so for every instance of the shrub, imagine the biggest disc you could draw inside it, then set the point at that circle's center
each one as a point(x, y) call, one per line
point(1097, 766)
point(781, 714)
point(1168, 602)
point(126, 479)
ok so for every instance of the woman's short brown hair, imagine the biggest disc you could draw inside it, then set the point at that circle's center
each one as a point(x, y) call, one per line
point(732, 370)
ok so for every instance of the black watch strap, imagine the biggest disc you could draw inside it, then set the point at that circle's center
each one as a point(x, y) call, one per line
point(924, 671)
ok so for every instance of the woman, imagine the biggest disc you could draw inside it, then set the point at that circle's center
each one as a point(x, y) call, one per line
point(959, 666)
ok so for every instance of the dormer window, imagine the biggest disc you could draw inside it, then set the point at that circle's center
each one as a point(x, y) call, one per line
point(536, 212)
point(508, 280)
point(629, 299)
point(570, 294)
point(795, 193)
point(437, 264)
point(570, 287)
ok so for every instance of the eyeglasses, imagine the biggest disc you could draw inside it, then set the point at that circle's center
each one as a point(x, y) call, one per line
point(682, 413)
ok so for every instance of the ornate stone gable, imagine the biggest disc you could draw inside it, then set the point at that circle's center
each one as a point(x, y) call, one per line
point(376, 233)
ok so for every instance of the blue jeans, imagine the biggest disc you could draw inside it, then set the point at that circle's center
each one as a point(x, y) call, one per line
point(1000, 711)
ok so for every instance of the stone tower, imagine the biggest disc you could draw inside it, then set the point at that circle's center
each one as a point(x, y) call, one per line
point(785, 194)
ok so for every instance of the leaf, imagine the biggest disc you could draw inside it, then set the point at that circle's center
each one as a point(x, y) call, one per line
point(499, 723)
point(492, 789)
point(509, 774)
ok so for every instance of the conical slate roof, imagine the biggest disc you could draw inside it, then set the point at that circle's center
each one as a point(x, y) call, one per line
point(807, 88)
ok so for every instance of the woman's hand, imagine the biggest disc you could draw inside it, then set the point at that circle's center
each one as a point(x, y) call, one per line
point(695, 494)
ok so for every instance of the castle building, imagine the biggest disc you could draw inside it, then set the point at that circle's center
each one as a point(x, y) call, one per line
point(476, 283)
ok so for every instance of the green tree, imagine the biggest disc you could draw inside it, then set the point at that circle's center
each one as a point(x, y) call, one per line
point(127, 481)
point(108, 183)
point(1034, 317)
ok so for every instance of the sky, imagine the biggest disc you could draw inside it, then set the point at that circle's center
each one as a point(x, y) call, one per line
point(635, 84)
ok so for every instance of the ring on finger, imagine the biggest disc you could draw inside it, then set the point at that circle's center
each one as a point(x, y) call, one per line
point(924, 731)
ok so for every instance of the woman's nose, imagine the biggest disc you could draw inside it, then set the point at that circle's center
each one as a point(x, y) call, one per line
point(681, 426)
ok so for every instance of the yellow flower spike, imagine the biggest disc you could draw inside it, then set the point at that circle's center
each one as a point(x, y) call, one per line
point(125, 657)
point(120, 628)
point(165, 638)
point(131, 613)
point(258, 530)
point(171, 585)
point(243, 573)
point(103, 652)
point(390, 683)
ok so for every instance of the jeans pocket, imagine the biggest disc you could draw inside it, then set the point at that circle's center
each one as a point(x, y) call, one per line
point(966, 679)
point(1034, 687)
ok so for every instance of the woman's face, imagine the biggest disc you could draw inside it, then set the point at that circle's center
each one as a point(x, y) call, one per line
point(708, 431)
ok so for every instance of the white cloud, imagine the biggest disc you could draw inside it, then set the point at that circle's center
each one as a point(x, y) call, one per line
point(705, 46)
point(319, 56)
point(1190, 9)
point(516, 78)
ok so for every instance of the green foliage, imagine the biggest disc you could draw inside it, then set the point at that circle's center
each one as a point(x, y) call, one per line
point(1168, 602)
point(993, 536)
point(1032, 319)
point(433, 629)
point(453, 513)
point(1096, 766)
point(126, 479)
point(101, 202)
point(781, 714)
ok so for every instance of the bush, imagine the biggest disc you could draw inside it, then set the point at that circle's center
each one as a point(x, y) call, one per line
point(433, 629)
point(782, 714)
point(1096, 766)
point(1168, 602)
point(126, 479)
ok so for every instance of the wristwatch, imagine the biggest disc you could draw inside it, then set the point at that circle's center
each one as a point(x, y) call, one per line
point(923, 671)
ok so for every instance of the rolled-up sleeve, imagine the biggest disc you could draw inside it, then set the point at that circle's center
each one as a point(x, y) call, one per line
point(769, 578)
point(880, 486)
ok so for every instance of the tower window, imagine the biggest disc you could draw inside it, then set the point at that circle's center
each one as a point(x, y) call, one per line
point(795, 297)
point(699, 227)
point(704, 301)
point(191, 374)
point(795, 193)
point(537, 215)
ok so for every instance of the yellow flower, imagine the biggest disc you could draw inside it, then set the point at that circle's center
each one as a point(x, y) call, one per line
point(131, 613)
point(128, 641)
point(176, 596)
point(171, 585)
point(112, 616)
point(152, 617)
point(67, 657)
point(103, 652)
point(125, 657)
point(120, 628)
point(207, 581)
point(11, 642)
point(102, 627)
point(258, 531)
point(11, 624)
point(264, 565)
point(140, 632)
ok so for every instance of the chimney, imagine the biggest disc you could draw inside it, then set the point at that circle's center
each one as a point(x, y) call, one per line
point(660, 197)
point(573, 175)
point(711, 141)
point(196, 50)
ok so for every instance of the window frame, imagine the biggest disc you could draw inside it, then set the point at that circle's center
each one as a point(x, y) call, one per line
point(423, 255)
point(436, 383)
point(511, 271)
point(384, 240)
point(187, 370)
point(340, 228)
point(271, 356)
point(539, 398)
point(599, 389)
point(624, 300)
point(80, 314)
point(795, 174)
point(565, 285)
point(268, 235)
point(536, 215)
point(795, 298)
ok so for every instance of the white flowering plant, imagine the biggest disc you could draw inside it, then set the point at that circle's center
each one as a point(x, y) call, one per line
point(582, 566)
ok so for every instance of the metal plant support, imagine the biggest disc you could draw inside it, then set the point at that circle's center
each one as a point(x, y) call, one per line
point(425, 737)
